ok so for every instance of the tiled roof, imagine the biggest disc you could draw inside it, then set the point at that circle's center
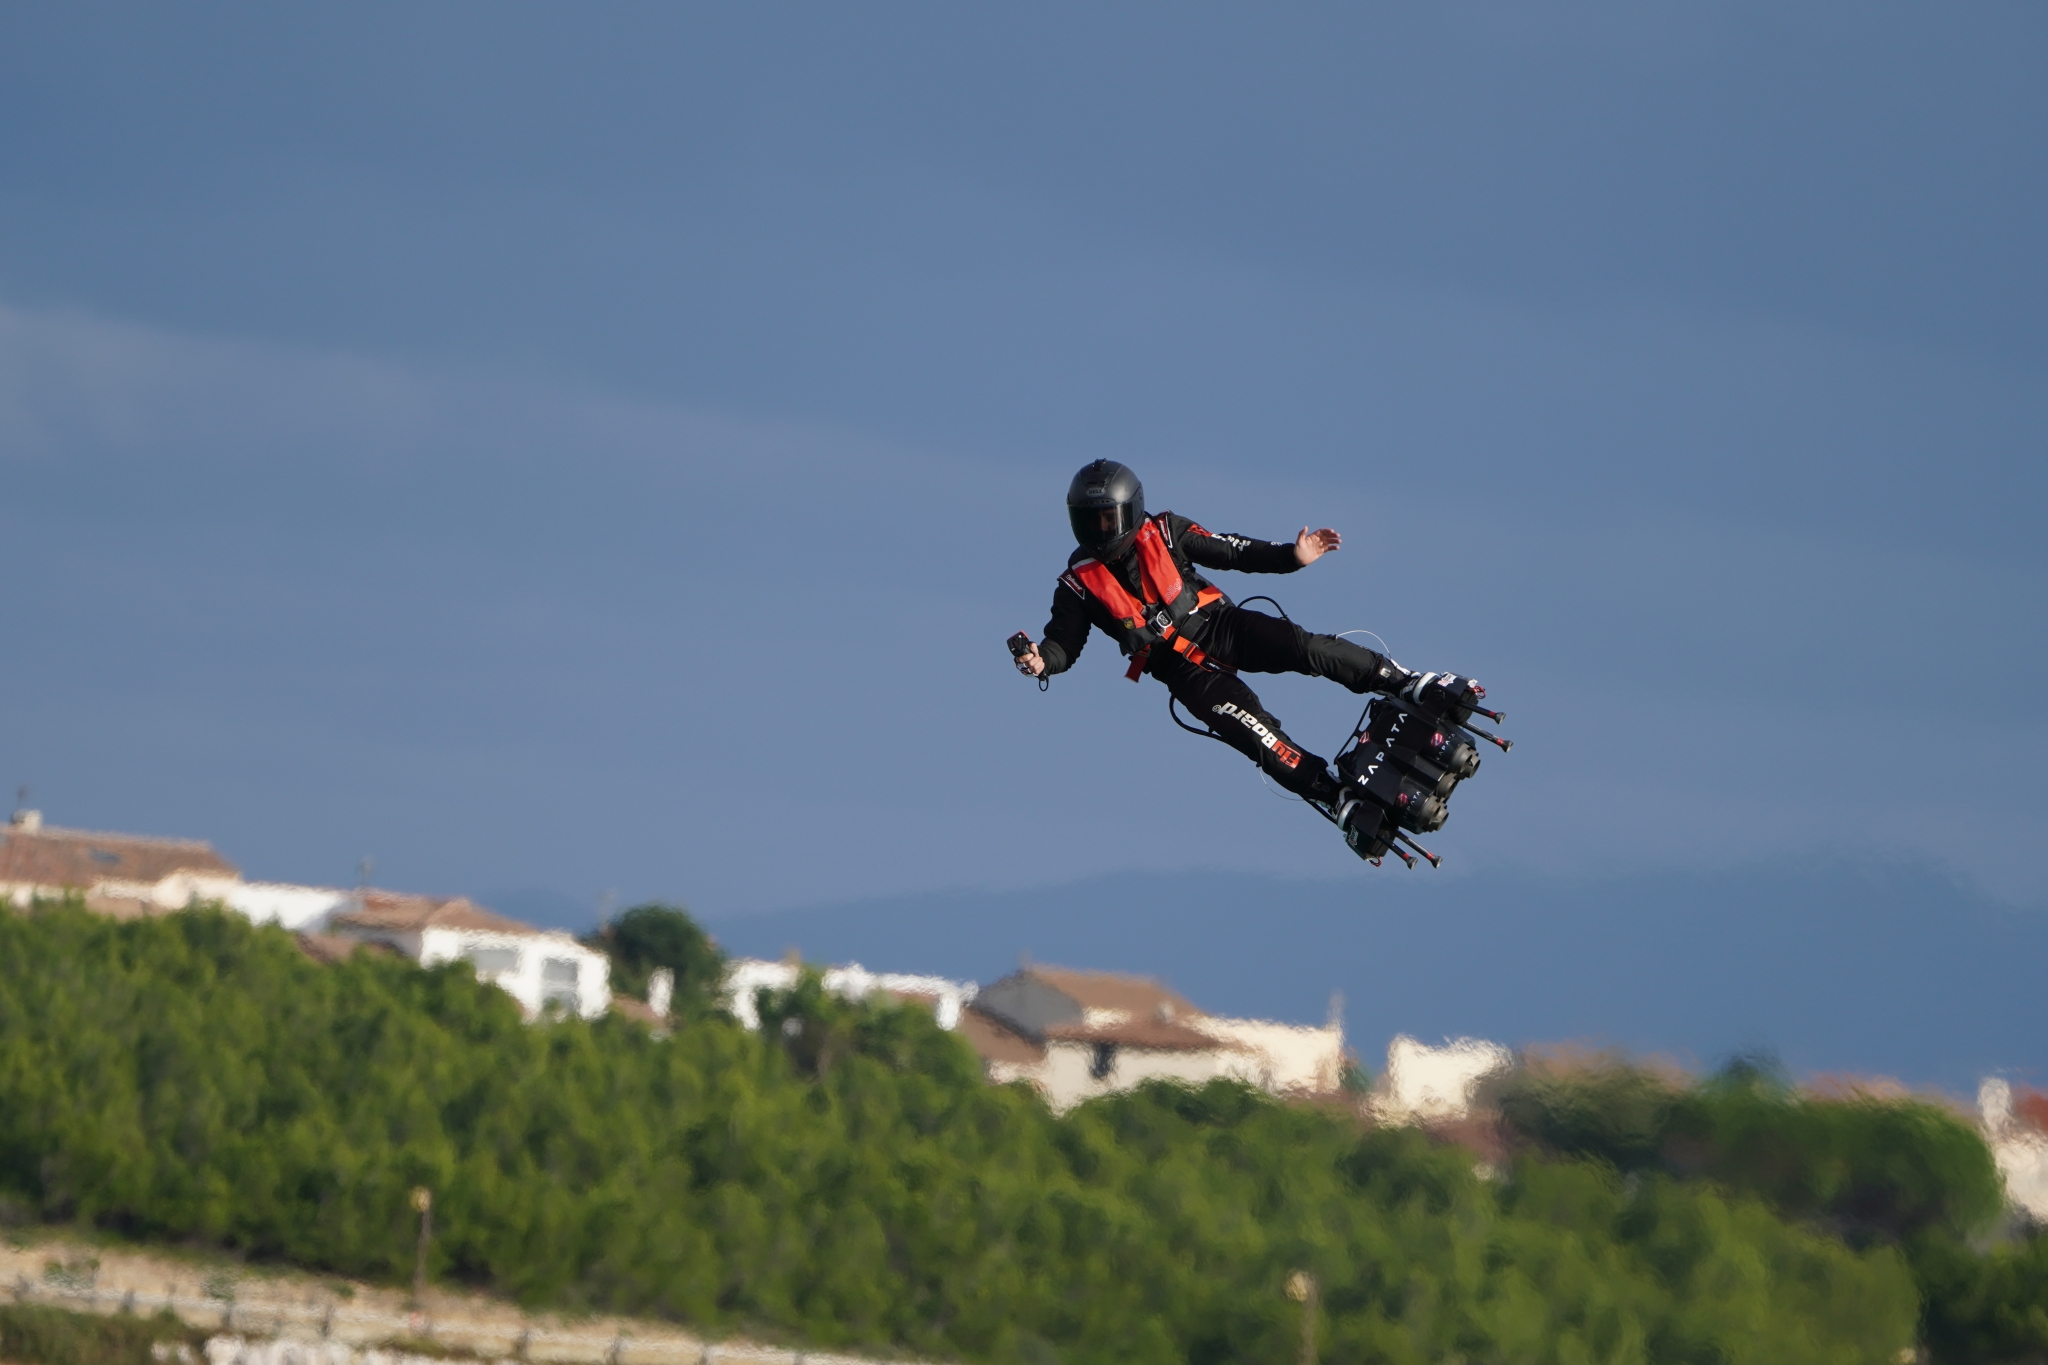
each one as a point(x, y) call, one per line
point(328, 948)
point(996, 1041)
point(391, 912)
point(1137, 995)
point(1154, 1035)
point(81, 858)
point(639, 1011)
point(1843, 1087)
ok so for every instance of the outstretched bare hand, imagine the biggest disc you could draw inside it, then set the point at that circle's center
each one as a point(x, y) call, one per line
point(1310, 546)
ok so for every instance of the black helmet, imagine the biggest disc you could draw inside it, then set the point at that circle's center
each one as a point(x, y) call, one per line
point(1106, 505)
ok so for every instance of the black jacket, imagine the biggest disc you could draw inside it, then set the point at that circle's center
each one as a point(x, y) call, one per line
point(1074, 609)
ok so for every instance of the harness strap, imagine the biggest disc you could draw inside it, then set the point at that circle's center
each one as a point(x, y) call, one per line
point(1182, 646)
point(1160, 578)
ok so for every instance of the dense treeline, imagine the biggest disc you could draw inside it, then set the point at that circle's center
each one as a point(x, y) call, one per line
point(1900, 1173)
point(847, 1176)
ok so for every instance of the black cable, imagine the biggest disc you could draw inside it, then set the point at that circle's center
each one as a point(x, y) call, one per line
point(1171, 699)
point(1349, 740)
point(1172, 710)
point(1276, 607)
point(1352, 739)
point(1171, 704)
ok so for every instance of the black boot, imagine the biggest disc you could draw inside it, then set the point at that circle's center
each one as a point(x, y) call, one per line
point(1355, 666)
point(1363, 822)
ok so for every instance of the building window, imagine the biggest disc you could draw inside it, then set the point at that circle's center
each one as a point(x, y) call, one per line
point(558, 981)
point(1103, 1062)
point(492, 961)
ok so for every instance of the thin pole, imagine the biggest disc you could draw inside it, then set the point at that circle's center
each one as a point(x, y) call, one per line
point(1308, 1323)
point(1303, 1289)
point(423, 1200)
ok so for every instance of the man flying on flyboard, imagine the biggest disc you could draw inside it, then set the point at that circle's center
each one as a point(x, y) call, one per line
point(1134, 578)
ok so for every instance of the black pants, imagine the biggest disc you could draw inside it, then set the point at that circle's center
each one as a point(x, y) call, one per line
point(1253, 642)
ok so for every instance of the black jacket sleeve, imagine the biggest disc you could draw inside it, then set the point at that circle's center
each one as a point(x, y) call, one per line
point(1241, 553)
point(1066, 632)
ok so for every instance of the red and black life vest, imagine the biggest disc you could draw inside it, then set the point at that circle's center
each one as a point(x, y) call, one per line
point(1169, 598)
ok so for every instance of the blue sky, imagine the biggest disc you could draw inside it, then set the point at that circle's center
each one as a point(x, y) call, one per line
point(575, 456)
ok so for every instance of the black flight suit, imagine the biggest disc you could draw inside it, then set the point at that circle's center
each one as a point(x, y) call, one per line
point(1233, 638)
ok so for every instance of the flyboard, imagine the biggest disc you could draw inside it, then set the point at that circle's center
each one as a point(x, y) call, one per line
point(1406, 756)
point(1401, 763)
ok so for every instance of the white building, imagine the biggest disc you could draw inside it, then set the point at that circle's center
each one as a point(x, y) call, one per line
point(1424, 1084)
point(1076, 1035)
point(540, 968)
point(123, 875)
point(744, 976)
point(129, 875)
point(2018, 1137)
point(300, 909)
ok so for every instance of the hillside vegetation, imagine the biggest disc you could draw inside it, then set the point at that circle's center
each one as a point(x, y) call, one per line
point(31, 1334)
point(847, 1177)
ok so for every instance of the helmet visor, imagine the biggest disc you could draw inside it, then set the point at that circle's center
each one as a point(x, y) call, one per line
point(1097, 528)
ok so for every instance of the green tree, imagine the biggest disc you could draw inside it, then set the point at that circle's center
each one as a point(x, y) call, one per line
point(650, 936)
point(1862, 1168)
point(854, 1181)
point(1984, 1308)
